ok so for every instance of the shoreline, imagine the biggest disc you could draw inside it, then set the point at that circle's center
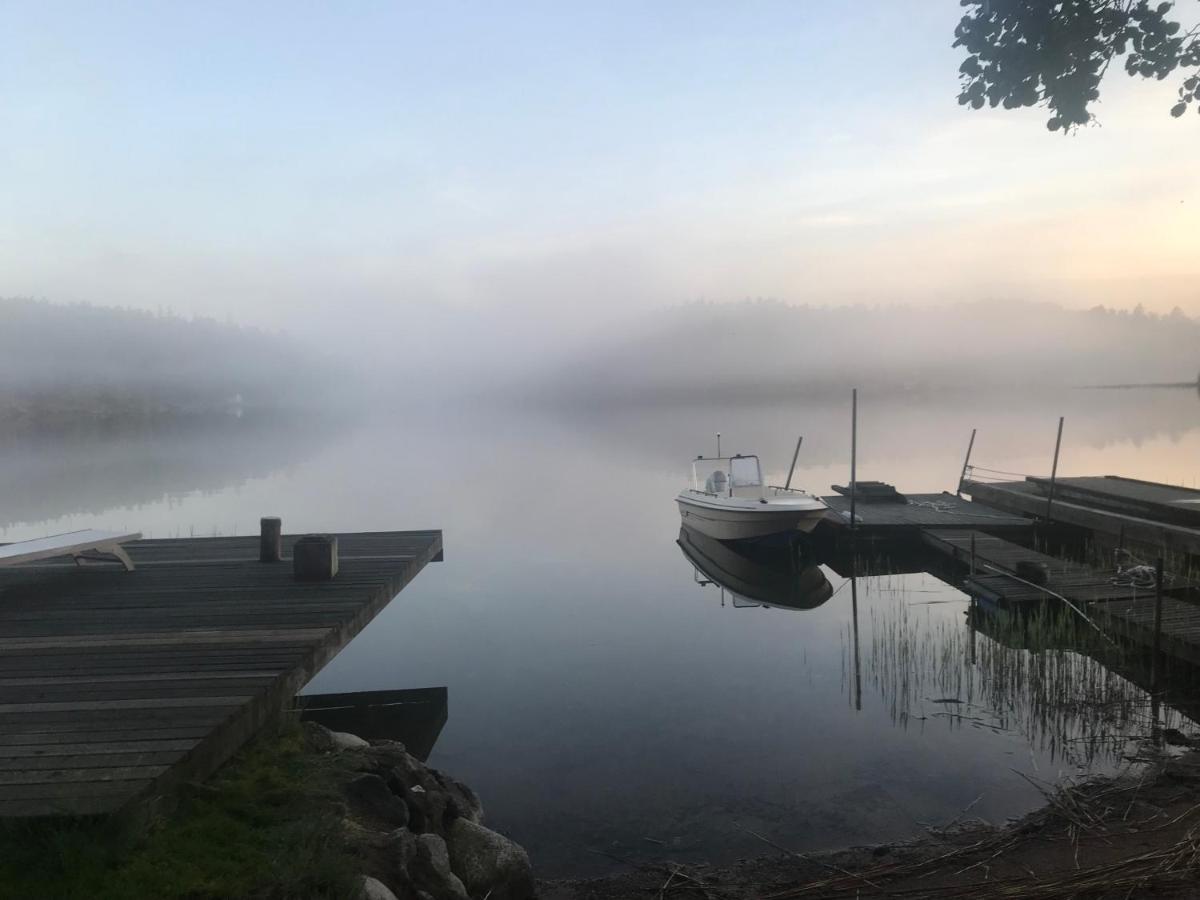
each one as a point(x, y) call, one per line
point(1115, 836)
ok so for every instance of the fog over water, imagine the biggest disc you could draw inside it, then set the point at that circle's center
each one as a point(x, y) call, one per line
point(599, 696)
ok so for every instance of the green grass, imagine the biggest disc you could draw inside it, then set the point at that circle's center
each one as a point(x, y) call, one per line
point(266, 826)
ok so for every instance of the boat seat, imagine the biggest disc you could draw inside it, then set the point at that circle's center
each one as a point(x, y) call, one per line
point(717, 483)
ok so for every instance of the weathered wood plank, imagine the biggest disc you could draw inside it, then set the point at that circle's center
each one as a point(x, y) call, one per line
point(116, 684)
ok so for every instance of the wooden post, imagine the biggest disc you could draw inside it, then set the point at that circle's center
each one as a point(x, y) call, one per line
point(853, 455)
point(1054, 469)
point(270, 540)
point(795, 456)
point(1158, 598)
point(966, 464)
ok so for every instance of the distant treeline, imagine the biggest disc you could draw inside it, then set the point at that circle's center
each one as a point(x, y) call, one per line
point(78, 364)
point(763, 348)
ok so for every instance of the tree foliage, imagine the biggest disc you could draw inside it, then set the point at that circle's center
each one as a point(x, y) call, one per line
point(1054, 53)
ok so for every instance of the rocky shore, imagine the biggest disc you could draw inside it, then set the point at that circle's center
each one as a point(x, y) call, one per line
point(417, 833)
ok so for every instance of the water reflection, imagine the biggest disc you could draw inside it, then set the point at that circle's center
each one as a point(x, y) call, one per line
point(1043, 675)
point(91, 471)
point(755, 574)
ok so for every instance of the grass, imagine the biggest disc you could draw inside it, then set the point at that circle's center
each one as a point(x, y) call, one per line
point(266, 826)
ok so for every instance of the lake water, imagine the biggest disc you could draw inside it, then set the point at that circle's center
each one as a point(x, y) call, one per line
point(603, 703)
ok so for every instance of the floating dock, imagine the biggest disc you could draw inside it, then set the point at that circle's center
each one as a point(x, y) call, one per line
point(1126, 509)
point(1123, 608)
point(115, 686)
point(918, 511)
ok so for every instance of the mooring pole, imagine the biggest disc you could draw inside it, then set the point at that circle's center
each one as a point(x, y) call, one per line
point(1158, 598)
point(795, 456)
point(1054, 468)
point(853, 455)
point(966, 464)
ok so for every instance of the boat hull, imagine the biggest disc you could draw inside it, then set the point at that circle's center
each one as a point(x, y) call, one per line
point(734, 524)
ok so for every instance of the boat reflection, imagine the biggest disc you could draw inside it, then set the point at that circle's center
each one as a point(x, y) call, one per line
point(754, 574)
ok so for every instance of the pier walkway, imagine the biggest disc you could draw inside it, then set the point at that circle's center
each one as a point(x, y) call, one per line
point(1122, 608)
point(1157, 515)
point(116, 685)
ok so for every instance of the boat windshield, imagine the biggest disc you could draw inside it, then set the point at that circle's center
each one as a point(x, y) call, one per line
point(727, 475)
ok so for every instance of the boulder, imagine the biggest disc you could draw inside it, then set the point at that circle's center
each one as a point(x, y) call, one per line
point(369, 795)
point(430, 870)
point(317, 737)
point(374, 889)
point(344, 741)
point(426, 799)
point(488, 863)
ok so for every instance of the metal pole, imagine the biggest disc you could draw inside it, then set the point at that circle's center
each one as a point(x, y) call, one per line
point(966, 464)
point(1158, 598)
point(1054, 469)
point(718, 445)
point(795, 455)
point(853, 454)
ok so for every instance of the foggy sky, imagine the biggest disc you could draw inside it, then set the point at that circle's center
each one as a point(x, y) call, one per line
point(303, 165)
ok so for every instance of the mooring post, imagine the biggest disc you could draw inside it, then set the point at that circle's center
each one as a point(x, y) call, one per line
point(795, 456)
point(270, 539)
point(853, 455)
point(1054, 468)
point(966, 464)
point(315, 557)
point(1158, 598)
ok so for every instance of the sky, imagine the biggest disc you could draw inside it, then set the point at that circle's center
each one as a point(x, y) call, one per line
point(295, 164)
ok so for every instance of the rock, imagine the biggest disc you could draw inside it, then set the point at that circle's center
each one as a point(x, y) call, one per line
point(369, 794)
point(489, 863)
point(460, 799)
point(344, 741)
point(427, 801)
point(374, 889)
point(430, 870)
point(317, 737)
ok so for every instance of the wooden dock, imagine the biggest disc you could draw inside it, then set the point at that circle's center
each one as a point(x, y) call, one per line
point(919, 511)
point(115, 686)
point(1155, 515)
point(1121, 608)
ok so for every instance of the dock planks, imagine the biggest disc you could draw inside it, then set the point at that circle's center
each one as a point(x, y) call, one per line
point(1117, 514)
point(1124, 609)
point(115, 685)
point(926, 511)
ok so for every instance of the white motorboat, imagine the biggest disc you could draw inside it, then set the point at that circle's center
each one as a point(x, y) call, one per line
point(729, 501)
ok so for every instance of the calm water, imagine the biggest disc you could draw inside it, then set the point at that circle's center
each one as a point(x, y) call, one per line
point(601, 700)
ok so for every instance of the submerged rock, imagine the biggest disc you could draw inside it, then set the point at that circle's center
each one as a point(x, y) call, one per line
point(489, 863)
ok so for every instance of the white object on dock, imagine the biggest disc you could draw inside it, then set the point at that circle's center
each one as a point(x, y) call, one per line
point(82, 546)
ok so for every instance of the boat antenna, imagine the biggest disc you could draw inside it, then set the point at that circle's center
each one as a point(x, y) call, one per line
point(718, 445)
point(788, 485)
